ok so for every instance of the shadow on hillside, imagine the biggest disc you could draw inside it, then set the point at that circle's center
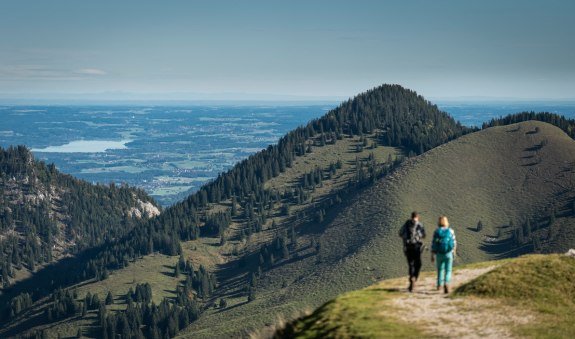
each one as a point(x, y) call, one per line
point(312, 227)
point(91, 332)
point(220, 310)
point(35, 319)
point(504, 248)
point(416, 291)
point(45, 281)
point(171, 271)
point(531, 164)
point(533, 148)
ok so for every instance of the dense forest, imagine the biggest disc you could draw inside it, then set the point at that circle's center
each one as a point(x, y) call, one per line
point(45, 214)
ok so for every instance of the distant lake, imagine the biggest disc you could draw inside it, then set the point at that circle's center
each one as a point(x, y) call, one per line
point(85, 146)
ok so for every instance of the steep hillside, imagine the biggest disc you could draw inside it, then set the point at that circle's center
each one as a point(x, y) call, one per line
point(499, 176)
point(268, 211)
point(45, 215)
point(531, 296)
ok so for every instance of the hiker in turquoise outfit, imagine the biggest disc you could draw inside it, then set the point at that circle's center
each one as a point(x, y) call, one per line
point(443, 249)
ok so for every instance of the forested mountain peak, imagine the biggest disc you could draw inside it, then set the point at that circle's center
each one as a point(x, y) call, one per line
point(45, 214)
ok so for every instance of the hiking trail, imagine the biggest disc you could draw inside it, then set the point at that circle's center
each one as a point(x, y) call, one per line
point(441, 315)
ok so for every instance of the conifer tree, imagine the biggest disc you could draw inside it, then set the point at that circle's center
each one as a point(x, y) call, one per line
point(109, 298)
point(479, 226)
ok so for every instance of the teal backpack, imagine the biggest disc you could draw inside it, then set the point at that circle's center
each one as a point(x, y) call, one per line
point(443, 241)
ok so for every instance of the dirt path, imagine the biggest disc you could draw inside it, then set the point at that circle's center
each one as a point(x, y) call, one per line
point(440, 315)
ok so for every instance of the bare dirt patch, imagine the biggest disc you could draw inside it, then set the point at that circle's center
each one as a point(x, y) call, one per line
point(441, 315)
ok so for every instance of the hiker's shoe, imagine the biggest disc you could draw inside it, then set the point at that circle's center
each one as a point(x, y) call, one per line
point(438, 288)
point(446, 288)
point(411, 284)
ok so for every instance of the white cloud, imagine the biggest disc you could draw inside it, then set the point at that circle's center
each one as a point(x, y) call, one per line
point(90, 71)
point(42, 72)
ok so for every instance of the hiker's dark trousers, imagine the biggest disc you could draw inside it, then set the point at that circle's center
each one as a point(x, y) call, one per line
point(413, 255)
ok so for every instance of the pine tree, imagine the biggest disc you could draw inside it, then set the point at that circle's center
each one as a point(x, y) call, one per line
point(527, 228)
point(251, 294)
point(479, 226)
point(109, 298)
point(223, 303)
point(285, 250)
point(234, 210)
point(519, 235)
point(102, 314)
point(292, 235)
point(552, 217)
point(253, 280)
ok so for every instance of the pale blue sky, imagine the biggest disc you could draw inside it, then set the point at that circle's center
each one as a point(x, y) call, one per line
point(300, 49)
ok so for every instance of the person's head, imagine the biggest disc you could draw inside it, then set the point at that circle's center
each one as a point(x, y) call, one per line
point(415, 216)
point(443, 222)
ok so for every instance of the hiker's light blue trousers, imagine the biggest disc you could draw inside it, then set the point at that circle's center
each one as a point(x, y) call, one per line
point(444, 264)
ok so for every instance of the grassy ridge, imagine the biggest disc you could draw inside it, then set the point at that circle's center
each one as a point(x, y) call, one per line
point(364, 307)
point(543, 283)
point(539, 287)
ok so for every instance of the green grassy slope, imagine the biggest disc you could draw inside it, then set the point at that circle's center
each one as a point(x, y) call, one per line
point(156, 269)
point(544, 284)
point(495, 175)
point(536, 291)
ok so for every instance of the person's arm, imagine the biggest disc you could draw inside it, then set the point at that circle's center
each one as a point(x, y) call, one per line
point(454, 242)
point(432, 248)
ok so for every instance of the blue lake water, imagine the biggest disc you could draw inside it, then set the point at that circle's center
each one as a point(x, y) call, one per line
point(85, 146)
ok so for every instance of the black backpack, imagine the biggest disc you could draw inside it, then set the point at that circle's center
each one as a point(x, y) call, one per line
point(412, 234)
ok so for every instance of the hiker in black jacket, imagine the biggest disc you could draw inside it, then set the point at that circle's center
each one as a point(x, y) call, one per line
point(412, 233)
